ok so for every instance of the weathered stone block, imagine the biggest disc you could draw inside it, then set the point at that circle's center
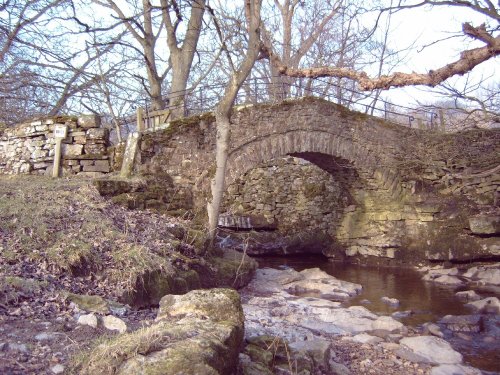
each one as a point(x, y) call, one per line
point(485, 224)
point(94, 148)
point(77, 133)
point(97, 168)
point(41, 165)
point(72, 150)
point(80, 140)
point(39, 153)
point(97, 133)
point(102, 163)
point(89, 121)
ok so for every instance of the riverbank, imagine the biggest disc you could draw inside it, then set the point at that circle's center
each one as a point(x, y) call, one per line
point(77, 271)
point(310, 313)
point(75, 268)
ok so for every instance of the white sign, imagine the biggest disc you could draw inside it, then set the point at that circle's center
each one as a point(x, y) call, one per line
point(60, 131)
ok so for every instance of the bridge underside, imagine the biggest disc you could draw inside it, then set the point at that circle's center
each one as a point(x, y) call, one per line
point(317, 203)
point(321, 204)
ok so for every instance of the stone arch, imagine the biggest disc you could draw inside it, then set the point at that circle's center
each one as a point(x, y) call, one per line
point(253, 152)
point(373, 223)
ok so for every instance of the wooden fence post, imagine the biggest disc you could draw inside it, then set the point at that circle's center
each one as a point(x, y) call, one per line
point(442, 125)
point(140, 119)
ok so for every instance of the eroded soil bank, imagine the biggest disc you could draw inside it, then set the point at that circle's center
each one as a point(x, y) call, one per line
point(76, 268)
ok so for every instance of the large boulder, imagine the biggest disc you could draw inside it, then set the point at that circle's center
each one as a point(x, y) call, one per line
point(318, 283)
point(432, 350)
point(455, 370)
point(462, 323)
point(151, 286)
point(490, 305)
point(230, 269)
point(200, 332)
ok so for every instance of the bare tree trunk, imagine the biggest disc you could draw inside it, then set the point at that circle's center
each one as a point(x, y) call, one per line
point(177, 96)
point(182, 57)
point(223, 113)
point(142, 29)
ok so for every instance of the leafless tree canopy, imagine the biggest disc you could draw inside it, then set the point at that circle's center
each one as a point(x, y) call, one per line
point(468, 59)
point(109, 56)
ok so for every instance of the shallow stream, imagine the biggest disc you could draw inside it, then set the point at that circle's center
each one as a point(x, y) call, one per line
point(428, 302)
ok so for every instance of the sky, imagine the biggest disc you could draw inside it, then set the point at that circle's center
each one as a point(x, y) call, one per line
point(423, 26)
point(420, 27)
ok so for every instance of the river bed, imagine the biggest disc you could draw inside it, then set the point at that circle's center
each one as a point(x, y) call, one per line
point(428, 302)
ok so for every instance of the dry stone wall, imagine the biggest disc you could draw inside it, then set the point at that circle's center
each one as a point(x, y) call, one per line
point(293, 193)
point(29, 147)
point(466, 163)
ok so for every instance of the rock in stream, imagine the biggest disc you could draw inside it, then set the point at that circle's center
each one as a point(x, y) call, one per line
point(295, 323)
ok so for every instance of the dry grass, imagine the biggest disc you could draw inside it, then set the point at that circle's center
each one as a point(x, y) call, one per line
point(63, 226)
point(107, 354)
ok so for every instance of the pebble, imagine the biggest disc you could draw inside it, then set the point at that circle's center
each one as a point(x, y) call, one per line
point(114, 324)
point(433, 329)
point(17, 347)
point(57, 369)
point(88, 319)
point(390, 301)
point(402, 314)
point(44, 336)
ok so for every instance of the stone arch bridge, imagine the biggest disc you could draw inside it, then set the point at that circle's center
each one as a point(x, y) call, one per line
point(408, 193)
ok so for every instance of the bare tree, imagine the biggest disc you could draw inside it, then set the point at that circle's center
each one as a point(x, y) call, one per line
point(145, 27)
point(181, 55)
point(224, 109)
point(467, 61)
point(24, 91)
point(300, 26)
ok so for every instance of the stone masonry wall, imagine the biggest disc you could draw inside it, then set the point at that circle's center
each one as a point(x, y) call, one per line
point(29, 147)
point(411, 195)
point(466, 163)
point(293, 193)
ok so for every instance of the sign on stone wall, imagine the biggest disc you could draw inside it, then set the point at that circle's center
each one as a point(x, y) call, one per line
point(31, 147)
point(61, 131)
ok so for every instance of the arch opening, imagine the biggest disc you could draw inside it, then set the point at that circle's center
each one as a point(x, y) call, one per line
point(292, 204)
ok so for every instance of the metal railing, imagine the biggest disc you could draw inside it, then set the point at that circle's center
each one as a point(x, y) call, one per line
point(205, 98)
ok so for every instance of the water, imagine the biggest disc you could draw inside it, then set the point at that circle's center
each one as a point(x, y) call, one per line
point(428, 302)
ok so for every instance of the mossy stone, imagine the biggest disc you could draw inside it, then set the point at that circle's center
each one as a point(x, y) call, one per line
point(234, 269)
point(258, 354)
point(201, 332)
point(152, 286)
point(90, 303)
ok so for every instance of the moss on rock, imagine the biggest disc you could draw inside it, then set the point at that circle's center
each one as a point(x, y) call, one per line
point(200, 332)
point(152, 286)
point(233, 269)
point(89, 303)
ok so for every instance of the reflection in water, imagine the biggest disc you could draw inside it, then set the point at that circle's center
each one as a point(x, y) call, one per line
point(427, 302)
